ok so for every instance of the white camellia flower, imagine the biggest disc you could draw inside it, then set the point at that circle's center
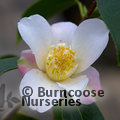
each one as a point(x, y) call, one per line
point(61, 56)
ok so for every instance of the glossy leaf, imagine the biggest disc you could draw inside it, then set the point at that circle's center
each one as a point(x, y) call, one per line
point(7, 64)
point(47, 8)
point(83, 112)
point(110, 12)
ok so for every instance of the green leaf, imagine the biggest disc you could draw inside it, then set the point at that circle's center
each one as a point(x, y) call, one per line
point(7, 56)
point(83, 112)
point(47, 9)
point(82, 8)
point(7, 64)
point(21, 116)
point(91, 112)
point(110, 12)
point(95, 13)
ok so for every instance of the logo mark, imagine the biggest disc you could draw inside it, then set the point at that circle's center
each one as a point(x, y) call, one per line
point(9, 99)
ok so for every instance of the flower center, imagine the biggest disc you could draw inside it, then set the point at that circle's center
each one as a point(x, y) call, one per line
point(60, 63)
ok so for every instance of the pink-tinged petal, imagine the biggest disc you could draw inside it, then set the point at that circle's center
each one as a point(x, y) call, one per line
point(62, 32)
point(23, 69)
point(26, 62)
point(93, 84)
point(94, 79)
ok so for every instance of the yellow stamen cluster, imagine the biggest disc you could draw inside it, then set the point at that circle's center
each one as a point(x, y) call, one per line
point(60, 63)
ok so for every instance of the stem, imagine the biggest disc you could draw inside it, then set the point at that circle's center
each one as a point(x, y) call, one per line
point(91, 9)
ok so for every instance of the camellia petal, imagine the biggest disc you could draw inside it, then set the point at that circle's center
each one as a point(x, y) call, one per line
point(35, 81)
point(93, 84)
point(26, 62)
point(94, 79)
point(89, 41)
point(62, 32)
point(36, 32)
point(86, 43)
point(76, 83)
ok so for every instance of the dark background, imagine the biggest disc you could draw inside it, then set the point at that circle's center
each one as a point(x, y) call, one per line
point(10, 12)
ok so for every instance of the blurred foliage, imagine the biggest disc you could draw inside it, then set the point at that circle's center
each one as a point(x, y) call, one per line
point(83, 112)
point(7, 56)
point(22, 116)
point(110, 12)
point(7, 64)
point(95, 13)
point(82, 8)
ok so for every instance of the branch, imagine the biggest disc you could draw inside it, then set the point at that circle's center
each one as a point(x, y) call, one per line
point(91, 9)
